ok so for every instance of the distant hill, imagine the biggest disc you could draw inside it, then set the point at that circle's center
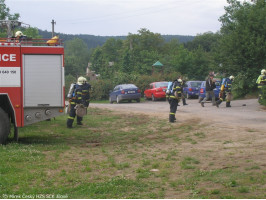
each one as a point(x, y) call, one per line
point(93, 41)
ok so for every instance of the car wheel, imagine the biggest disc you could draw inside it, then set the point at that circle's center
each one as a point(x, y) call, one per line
point(110, 100)
point(129, 101)
point(138, 100)
point(117, 99)
point(153, 98)
point(4, 126)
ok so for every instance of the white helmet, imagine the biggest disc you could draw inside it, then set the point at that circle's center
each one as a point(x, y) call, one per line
point(263, 71)
point(179, 80)
point(231, 77)
point(18, 33)
point(80, 80)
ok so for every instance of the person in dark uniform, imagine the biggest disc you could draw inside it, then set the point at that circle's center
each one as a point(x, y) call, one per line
point(86, 87)
point(182, 92)
point(174, 98)
point(227, 88)
point(74, 99)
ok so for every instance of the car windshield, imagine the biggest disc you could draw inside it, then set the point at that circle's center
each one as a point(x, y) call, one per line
point(161, 84)
point(195, 84)
point(128, 86)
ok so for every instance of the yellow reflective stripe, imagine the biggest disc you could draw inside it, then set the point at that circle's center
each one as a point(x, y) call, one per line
point(71, 118)
point(79, 92)
point(172, 113)
point(80, 98)
point(73, 103)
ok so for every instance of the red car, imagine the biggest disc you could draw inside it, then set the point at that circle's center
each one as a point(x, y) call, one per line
point(156, 90)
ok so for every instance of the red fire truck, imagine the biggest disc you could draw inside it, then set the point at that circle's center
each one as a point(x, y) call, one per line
point(31, 83)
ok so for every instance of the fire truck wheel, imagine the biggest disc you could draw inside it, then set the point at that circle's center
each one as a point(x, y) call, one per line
point(4, 126)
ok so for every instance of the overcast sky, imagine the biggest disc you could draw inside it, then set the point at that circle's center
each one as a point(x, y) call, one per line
point(120, 17)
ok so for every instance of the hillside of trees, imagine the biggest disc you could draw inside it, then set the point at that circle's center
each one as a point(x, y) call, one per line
point(93, 41)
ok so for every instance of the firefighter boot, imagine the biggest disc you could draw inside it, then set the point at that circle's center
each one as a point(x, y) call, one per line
point(228, 104)
point(184, 102)
point(171, 118)
point(79, 120)
point(218, 103)
point(69, 123)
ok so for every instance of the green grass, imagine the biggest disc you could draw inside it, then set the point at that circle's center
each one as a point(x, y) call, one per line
point(114, 156)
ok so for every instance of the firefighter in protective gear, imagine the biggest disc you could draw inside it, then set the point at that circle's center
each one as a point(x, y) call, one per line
point(261, 81)
point(76, 98)
point(226, 91)
point(182, 92)
point(174, 98)
point(19, 36)
point(86, 87)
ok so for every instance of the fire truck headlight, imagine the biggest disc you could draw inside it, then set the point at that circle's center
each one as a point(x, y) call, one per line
point(48, 112)
point(38, 115)
point(28, 118)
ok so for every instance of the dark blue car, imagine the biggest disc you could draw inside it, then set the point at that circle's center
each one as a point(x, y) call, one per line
point(191, 89)
point(202, 93)
point(123, 92)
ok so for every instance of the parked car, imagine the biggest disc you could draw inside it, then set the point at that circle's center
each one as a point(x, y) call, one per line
point(123, 92)
point(202, 93)
point(191, 89)
point(156, 90)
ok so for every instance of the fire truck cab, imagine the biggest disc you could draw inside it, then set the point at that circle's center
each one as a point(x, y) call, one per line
point(31, 83)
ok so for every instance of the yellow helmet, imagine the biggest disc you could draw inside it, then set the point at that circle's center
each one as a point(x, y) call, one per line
point(231, 77)
point(80, 80)
point(18, 34)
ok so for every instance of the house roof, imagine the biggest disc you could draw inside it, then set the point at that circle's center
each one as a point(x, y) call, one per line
point(157, 64)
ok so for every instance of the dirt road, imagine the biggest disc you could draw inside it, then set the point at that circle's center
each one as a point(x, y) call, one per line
point(243, 113)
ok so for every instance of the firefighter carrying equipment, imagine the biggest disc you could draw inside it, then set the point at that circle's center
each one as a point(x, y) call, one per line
point(53, 41)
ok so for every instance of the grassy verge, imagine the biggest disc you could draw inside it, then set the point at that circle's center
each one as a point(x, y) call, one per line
point(124, 156)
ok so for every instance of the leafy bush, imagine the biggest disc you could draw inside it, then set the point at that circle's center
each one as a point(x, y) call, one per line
point(243, 84)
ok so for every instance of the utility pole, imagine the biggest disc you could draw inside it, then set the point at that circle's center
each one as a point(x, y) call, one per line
point(53, 23)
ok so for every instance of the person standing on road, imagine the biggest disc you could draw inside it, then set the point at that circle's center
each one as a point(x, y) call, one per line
point(182, 92)
point(227, 88)
point(261, 81)
point(210, 86)
point(174, 98)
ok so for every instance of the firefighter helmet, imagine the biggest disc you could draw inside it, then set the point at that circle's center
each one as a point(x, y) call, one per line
point(263, 72)
point(179, 80)
point(231, 77)
point(80, 80)
point(18, 34)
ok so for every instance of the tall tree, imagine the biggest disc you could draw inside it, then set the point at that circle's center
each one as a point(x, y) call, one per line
point(242, 47)
point(76, 57)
